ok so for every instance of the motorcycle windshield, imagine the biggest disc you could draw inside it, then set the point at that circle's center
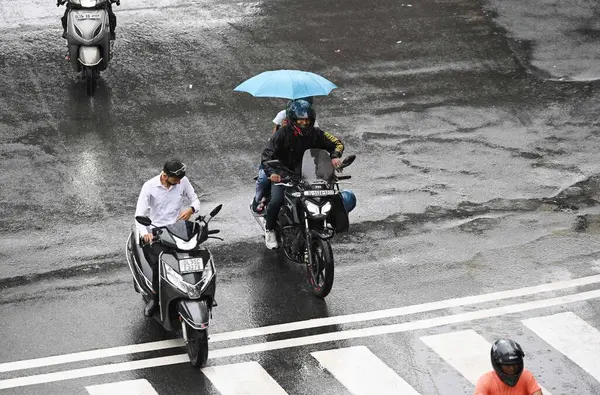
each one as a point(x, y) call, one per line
point(184, 230)
point(317, 167)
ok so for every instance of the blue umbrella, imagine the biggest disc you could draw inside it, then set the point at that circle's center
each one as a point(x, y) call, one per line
point(289, 84)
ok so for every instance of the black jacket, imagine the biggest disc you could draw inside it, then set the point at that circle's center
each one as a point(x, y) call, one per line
point(289, 146)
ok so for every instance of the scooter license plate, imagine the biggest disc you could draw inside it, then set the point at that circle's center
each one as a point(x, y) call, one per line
point(191, 265)
point(87, 15)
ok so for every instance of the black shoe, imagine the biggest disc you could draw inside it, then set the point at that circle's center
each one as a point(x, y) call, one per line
point(150, 307)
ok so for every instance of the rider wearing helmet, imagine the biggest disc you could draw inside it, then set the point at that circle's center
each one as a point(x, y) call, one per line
point(162, 200)
point(280, 118)
point(288, 145)
point(509, 376)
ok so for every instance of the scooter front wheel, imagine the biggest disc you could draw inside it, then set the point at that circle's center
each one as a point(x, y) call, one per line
point(197, 346)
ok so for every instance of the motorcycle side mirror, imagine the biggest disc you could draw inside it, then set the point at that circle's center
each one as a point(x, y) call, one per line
point(143, 220)
point(348, 160)
point(216, 210)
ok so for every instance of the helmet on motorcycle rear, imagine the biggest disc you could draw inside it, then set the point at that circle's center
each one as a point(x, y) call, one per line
point(507, 352)
point(174, 168)
point(301, 109)
point(349, 200)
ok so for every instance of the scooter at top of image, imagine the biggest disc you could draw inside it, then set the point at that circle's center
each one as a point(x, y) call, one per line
point(88, 38)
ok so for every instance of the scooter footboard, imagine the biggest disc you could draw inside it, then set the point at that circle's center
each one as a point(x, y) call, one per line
point(195, 312)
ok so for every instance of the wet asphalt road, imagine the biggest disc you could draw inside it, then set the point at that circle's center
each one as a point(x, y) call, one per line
point(475, 127)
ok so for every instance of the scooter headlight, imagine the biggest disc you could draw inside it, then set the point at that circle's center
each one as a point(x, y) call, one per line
point(175, 278)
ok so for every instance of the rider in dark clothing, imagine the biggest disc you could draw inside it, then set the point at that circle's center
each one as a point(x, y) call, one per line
point(112, 19)
point(288, 145)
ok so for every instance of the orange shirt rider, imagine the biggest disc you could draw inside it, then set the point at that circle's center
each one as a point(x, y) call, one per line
point(509, 376)
point(490, 384)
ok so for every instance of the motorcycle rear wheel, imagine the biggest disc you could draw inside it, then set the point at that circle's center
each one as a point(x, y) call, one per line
point(320, 274)
point(197, 346)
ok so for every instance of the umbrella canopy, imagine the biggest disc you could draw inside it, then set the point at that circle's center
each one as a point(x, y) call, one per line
point(289, 84)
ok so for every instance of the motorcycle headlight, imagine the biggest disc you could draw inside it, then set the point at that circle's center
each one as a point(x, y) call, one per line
point(312, 208)
point(326, 208)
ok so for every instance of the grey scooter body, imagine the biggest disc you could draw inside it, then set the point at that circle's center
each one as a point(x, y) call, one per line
point(88, 35)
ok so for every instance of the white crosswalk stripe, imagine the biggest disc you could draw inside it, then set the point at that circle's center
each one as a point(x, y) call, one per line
point(572, 336)
point(466, 351)
point(247, 378)
point(362, 373)
point(130, 387)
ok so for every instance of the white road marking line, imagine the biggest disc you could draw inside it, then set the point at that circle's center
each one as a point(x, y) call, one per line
point(247, 378)
point(466, 351)
point(303, 341)
point(93, 371)
point(130, 387)
point(572, 336)
point(293, 326)
point(362, 373)
point(88, 355)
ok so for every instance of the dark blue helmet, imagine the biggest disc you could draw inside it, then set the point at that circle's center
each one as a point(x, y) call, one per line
point(299, 109)
point(349, 199)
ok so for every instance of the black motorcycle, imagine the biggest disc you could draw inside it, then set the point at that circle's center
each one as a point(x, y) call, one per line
point(311, 214)
point(187, 279)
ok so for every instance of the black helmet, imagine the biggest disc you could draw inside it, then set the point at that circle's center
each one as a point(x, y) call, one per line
point(300, 108)
point(174, 168)
point(507, 352)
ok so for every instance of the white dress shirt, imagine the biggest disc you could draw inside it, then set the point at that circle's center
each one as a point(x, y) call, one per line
point(281, 116)
point(163, 205)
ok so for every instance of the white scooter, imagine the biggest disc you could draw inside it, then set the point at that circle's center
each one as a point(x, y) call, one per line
point(88, 38)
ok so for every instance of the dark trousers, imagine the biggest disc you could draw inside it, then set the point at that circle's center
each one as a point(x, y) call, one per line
point(277, 196)
point(112, 19)
point(152, 252)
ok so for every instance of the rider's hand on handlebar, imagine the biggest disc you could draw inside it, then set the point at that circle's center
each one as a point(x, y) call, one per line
point(275, 178)
point(336, 163)
point(148, 238)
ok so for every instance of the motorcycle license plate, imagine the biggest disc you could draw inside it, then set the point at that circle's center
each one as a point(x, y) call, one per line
point(87, 15)
point(325, 192)
point(191, 265)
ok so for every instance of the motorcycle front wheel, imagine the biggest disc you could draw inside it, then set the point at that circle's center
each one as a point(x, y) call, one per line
point(320, 272)
point(197, 346)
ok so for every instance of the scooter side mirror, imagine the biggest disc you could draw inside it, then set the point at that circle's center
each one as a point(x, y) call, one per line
point(143, 220)
point(216, 210)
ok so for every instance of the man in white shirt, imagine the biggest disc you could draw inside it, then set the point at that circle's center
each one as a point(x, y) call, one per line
point(161, 199)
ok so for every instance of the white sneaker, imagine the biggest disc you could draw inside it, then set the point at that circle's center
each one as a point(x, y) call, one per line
point(271, 239)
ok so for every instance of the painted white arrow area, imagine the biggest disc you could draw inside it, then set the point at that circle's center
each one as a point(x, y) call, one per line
point(362, 373)
point(572, 336)
point(130, 387)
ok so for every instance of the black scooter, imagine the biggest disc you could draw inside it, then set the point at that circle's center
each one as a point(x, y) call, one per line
point(187, 279)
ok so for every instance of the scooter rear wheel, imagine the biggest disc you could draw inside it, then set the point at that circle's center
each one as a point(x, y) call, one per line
point(197, 346)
